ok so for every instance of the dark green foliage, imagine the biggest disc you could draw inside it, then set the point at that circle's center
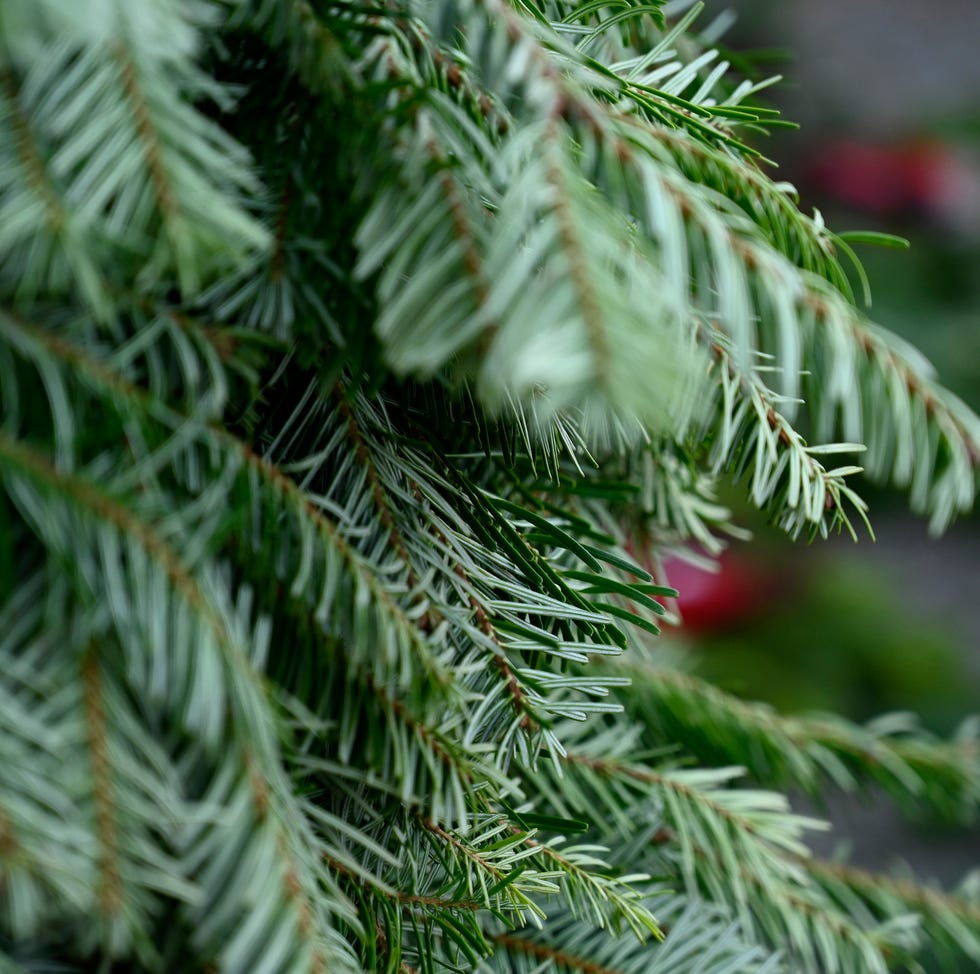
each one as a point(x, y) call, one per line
point(357, 363)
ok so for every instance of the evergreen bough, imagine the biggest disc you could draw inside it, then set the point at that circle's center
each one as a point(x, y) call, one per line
point(357, 363)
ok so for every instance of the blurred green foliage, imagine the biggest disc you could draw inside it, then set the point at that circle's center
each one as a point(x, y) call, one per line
point(930, 295)
point(843, 641)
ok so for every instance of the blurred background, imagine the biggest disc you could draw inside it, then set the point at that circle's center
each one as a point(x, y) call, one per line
point(888, 99)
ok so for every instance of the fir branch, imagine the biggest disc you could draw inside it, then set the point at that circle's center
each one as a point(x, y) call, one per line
point(592, 891)
point(606, 348)
point(151, 148)
point(456, 557)
point(48, 859)
point(769, 825)
point(772, 206)
point(133, 398)
point(518, 697)
point(110, 891)
point(950, 924)
point(438, 227)
point(542, 952)
point(748, 845)
point(749, 433)
point(747, 268)
point(918, 771)
point(417, 754)
point(385, 506)
point(87, 497)
point(699, 941)
point(309, 515)
point(299, 900)
point(812, 928)
point(498, 871)
point(284, 864)
point(133, 89)
point(579, 269)
point(915, 895)
point(72, 246)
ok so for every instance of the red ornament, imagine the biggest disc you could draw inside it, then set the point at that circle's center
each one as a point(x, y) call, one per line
point(722, 599)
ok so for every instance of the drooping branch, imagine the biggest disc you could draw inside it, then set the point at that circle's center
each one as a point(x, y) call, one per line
point(919, 772)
